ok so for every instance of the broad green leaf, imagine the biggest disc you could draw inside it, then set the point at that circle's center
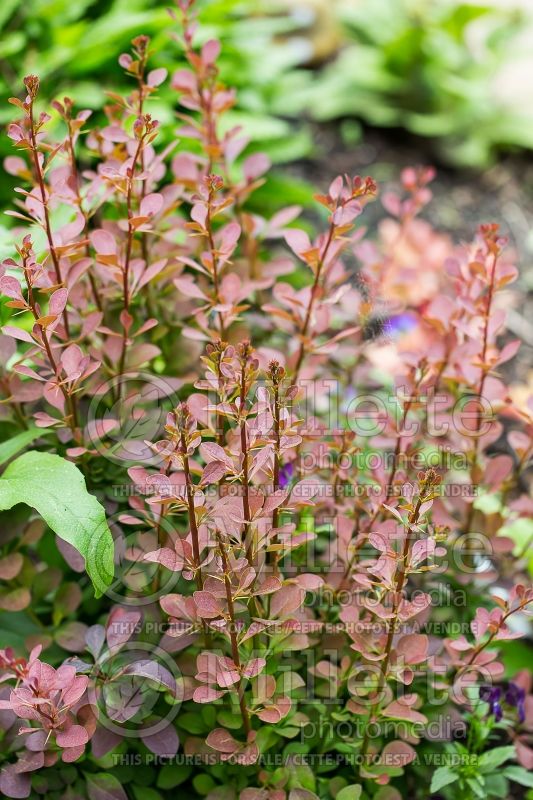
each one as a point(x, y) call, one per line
point(15, 627)
point(289, 731)
point(192, 723)
point(146, 793)
point(171, 775)
point(488, 503)
point(351, 792)
point(494, 758)
point(521, 532)
point(514, 654)
point(56, 489)
point(17, 443)
point(302, 794)
point(228, 720)
point(442, 777)
point(203, 783)
point(497, 785)
point(519, 775)
point(8, 6)
point(302, 778)
point(478, 787)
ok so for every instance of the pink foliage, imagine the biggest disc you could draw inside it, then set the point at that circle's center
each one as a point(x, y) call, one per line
point(162, 267)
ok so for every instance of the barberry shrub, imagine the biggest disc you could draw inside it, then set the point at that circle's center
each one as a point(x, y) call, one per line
point(273, 530)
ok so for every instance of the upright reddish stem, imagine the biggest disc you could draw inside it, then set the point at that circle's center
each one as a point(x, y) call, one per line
point(399, 584)
point(233, 636)
point(131, 230)
point(244, 452)
point(469, 559)
point(79, 202)
point(277, 465)
point(214, 259)
point(192, 516)
point(397, 451)
point(127, 259)
point(70, 402)
point(312, 299)
point(40, 180)
point(479, 649)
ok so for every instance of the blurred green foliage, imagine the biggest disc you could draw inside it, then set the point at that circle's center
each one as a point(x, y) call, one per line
point(455, 71)
point(74, 47)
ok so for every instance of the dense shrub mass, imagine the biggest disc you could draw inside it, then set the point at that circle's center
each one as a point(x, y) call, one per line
point(280, 517)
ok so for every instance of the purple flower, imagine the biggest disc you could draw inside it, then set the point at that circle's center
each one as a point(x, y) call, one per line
point(399, 324)
point(286, 474)
point(516, 697)
point(492, 695)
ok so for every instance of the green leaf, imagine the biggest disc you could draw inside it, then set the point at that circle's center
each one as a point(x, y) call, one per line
point(15, 627)
point(478, 787)
point(497, 785)
point(203, 783)
point(351, 792)
point(56, 489)
point(488, 503)
point(514, 653)
point(521, 532)
point(17, 443)
point(193, 723)
point(493, 758)
point(8, 7)
point(209, 716)
point(103, 784)
point(171, 775)
point(442, 777)
point(288, 731)
point(302, 777)
point(229, 720)
point(519, 775)
point(146, 793)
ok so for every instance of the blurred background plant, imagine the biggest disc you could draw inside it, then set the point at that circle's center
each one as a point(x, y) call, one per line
point(457, 72)
point(453, 71)
point(77, 45)
point(323, 86)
